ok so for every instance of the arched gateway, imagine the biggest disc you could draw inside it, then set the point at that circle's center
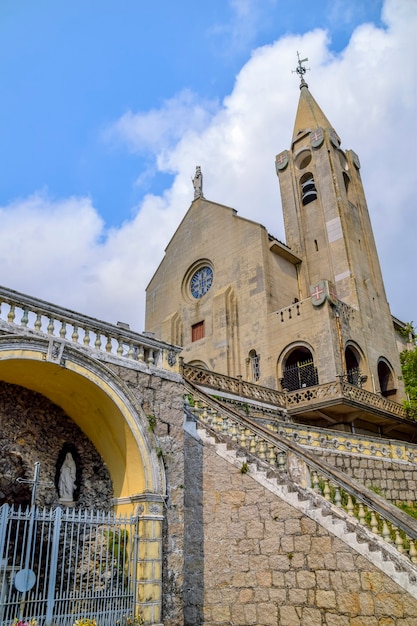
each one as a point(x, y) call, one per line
point(110, 395)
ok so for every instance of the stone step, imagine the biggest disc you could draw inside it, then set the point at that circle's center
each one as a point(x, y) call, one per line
point(349, 530)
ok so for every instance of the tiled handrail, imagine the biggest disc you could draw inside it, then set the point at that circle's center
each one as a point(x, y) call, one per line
point(41, 317)
point(383, 518)
point(278, 421)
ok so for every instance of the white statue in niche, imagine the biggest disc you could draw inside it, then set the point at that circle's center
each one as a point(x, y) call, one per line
point(67, 478)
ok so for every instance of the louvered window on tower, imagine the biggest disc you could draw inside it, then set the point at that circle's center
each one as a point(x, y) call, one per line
point(308, 189)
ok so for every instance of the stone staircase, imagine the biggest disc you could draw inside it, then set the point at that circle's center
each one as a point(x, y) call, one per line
point(374, 528)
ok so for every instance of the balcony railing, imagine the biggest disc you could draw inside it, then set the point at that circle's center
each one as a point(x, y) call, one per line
point(236, 386)
point(337, 390)
point(37, 317)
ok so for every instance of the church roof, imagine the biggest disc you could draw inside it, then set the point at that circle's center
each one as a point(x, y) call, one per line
point(309, 114)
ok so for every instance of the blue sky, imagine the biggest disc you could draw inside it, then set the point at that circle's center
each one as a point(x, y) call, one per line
point(107, 107)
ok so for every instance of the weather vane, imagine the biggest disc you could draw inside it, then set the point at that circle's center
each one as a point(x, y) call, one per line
point(301, 70)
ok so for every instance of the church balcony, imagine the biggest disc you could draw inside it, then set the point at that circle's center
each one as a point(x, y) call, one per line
point(24, 315)
point(338, 405)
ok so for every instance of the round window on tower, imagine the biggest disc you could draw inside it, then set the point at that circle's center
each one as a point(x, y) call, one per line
point(303, 158)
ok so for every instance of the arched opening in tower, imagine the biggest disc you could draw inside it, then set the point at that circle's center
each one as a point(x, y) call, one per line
point(386, 379)
point(299, 370)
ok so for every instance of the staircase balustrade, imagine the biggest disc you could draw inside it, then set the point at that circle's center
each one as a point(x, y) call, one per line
point(271, 449)
point(278, 421)
point(236, 386)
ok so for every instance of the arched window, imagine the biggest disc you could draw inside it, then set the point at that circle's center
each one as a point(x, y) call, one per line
point(308, 189)
point(254, 366)
point(299, 370)
point(386, 379)
point(346, 180)
point(352, 366)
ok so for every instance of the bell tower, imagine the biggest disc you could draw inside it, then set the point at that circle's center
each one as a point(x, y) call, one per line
point(327, 225)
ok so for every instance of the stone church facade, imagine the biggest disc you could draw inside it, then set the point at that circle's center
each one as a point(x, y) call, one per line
point(255, 431)
point(290, 315)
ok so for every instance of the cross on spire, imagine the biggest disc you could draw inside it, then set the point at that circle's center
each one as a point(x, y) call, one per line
point(301, 70)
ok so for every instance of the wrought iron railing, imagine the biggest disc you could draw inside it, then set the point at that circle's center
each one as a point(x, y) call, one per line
point(381, 517)
point(354, 377)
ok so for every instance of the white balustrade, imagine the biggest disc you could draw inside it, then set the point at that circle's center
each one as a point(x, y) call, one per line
point(37, 317)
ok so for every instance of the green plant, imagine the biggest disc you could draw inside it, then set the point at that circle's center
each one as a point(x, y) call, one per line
point(190, 399)
point(410, 509)
point(245, 468)
point(27, 622)
point(152, 423)
point(117, 542)
point(408, 360)
point(159, 452)
point(85, 621)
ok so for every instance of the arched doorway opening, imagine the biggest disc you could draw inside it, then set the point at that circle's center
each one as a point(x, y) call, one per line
point(299, 370)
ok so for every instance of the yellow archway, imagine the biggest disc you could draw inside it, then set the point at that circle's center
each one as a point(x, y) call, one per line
point(99, 402)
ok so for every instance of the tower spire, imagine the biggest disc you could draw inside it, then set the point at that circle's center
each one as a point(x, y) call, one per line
point(301, 70)
point(309, 115)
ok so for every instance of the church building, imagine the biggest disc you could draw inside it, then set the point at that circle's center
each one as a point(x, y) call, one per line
point(293, 315)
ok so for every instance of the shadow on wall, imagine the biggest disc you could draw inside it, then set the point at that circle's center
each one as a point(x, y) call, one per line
point(194, 532)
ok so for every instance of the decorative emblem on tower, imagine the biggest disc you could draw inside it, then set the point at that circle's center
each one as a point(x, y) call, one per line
point(334, 138)
point(281, 160)
point(317, 138)
point(322, 291)
point(355, 160)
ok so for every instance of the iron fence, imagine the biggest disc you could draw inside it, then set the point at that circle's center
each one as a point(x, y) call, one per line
point(57, 566)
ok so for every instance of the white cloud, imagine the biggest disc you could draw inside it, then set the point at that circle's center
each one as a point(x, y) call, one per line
point(158, 129)
point(368, 94)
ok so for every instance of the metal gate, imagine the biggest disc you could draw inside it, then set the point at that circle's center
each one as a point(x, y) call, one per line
point(58, 565)
point(302, 374)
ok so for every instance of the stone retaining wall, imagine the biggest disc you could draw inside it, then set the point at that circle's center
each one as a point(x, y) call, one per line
point(253, 559)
